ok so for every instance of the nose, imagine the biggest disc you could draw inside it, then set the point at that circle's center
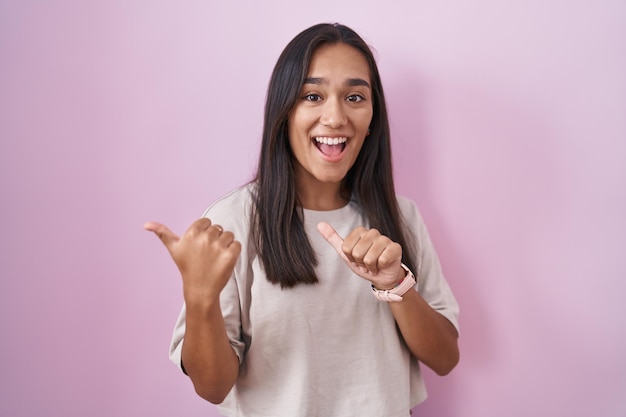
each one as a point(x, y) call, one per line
point(333, 114)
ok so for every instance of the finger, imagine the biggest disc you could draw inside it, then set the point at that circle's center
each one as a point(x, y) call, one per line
point(235, 247)
point(227, 238)
point(215, 231)
point(356, 244)
point(201, 224)
point(376, 255)
point(362, 249)
point(371, 259)
point(332, 237)
point(391, 255)
point(168, 237)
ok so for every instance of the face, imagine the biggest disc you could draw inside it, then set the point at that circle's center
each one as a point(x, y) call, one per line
point(331, 117)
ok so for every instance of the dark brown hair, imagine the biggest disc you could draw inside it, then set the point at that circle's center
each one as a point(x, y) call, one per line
point(283, 246)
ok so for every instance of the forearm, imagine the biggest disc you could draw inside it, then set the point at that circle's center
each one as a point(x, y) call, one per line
point(429, 335)
point(207, 355)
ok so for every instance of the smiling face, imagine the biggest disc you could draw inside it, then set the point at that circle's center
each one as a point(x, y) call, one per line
point(330, 119)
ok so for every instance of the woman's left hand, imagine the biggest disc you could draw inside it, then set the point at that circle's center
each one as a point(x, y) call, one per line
point(369, 254)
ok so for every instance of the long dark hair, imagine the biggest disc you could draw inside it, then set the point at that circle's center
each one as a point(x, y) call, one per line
point(284, 249)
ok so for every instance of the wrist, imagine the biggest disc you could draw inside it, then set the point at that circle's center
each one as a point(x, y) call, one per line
point(200, 299)
point(405, 283)
point(402, 273)
point(202, 312)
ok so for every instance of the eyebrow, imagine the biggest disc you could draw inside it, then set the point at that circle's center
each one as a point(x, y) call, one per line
point(350, 82)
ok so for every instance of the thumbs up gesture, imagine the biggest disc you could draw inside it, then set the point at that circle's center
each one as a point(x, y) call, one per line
point(368, 254)
point(205, 256)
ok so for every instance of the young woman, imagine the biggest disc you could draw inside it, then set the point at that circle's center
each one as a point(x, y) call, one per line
point(314, 290)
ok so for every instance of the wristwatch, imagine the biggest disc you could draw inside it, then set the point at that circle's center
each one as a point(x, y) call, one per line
point(395, 294)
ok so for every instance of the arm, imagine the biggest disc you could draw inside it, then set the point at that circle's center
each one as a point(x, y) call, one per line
point(429, 335)
point(207, 355)
point(431, 338)
point(205, 256)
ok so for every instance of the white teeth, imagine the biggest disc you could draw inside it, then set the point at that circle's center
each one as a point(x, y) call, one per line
point(330, 141)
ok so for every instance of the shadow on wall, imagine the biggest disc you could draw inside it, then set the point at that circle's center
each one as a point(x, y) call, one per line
point(466, 169)
point(482, 166)
point(407, 102)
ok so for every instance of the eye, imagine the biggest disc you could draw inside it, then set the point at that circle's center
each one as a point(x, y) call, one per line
point(355, 98)
point(312, 97)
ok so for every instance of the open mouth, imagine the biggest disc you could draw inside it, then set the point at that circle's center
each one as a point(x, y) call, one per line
point(330, 146)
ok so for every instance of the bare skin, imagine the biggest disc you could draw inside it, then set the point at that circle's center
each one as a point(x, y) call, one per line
point(205, 256)
point(430, 336)
point(335, 104)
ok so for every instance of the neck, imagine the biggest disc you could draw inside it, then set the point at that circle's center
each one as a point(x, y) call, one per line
point(322, 197)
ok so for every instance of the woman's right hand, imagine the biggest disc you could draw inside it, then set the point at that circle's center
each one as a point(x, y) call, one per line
point(205, 255)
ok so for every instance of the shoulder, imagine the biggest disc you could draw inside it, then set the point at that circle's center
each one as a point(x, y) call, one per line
point(233, 206)
point(408, 209)
point(412, 220)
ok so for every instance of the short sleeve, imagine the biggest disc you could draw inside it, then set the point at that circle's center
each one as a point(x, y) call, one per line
point(232, 213)
point(431, 282)
point(229, 301)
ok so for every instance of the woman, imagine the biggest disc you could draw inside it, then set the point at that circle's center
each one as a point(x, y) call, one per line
point(282, 316)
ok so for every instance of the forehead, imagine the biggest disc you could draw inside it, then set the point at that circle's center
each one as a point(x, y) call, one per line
point(339, 61)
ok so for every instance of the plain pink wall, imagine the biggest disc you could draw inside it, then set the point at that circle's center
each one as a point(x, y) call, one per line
point(509, 122)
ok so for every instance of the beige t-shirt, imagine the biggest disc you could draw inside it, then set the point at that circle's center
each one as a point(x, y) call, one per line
point(327, 350)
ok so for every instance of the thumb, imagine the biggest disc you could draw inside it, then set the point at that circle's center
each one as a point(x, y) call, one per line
point(168, 237)
point(331, 235)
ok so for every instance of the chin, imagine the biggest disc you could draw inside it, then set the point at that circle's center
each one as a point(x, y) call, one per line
point(328, 179)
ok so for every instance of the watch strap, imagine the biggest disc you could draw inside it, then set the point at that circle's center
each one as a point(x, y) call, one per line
point(395, 294)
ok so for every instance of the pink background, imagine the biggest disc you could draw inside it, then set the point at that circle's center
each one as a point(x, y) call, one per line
point(509, 122)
